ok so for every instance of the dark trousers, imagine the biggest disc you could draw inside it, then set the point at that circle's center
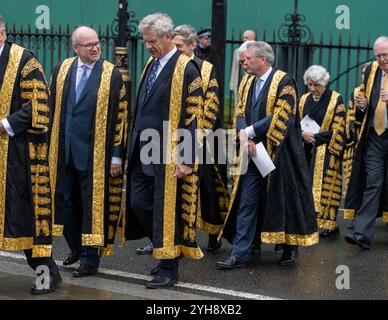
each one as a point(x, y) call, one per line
point(376, 167)
point(141, 200)
point(248, 213)
point(142, 194)
point(36, 262)
point(75, 202)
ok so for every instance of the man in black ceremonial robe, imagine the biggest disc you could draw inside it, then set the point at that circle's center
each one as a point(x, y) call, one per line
point(25, 203)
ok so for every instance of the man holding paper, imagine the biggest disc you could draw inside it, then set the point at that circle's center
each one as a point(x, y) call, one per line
point(367, 194)
point(277, 208)
point(323, 115)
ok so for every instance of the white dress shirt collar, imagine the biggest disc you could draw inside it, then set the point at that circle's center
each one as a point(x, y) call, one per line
point(163, 61)
point(81, 63)
point(265, 76)
point(1, 49)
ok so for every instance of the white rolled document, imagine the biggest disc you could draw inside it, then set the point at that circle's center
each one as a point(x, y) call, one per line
point(310, 125)
point(263, 161)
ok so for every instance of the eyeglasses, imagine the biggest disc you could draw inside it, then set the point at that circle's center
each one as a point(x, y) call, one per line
point(381, 56)
point(90, 46)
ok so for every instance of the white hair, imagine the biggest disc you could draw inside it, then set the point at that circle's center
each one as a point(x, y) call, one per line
point(78, 31)
point(243, 47)
point(317, 74)
point(380, 40)
point(187, 32)
point(263, 49)
point(2, 22)
point(160, 22)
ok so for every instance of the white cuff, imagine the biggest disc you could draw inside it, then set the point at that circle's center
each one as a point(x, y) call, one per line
point(363, 108)
point(250, 132)
point(7, 127)
point(116, 160)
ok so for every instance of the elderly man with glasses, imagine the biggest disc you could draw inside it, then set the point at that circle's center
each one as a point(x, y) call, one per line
point(367, 193)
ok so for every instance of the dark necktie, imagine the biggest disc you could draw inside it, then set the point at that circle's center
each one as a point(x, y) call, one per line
point(152, 76)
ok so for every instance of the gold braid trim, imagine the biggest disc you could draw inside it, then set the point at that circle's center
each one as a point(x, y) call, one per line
point(321, 155)
point(6, 93)
point(196, 84)
point(31, 66)
point(54, 145)
point(169, 250)
point(274, 137)
point(336, 141)
point(290, 239)
point(206, 71)
point(243, 91)
point(99, 159)
point(213, 83)
point(33, 84)
point(369, 87)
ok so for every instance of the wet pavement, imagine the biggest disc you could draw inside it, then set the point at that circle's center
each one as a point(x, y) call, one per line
point(314, 275)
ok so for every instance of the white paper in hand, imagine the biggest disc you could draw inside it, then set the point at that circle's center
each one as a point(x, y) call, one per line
point(263, 161)
point(310, 125)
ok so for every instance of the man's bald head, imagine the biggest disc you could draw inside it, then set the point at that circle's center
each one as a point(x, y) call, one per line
point(81, 32)
point(86, 44)
point(249, 35)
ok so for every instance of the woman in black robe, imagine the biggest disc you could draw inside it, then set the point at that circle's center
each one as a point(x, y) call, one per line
point(324, 146)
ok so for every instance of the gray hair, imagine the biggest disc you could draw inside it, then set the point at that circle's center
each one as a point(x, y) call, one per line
point(2, 22)
point(380, 39)
point(187, 32)
point(317, 74)
point(77, 31)
point(263, 49)
point(160, 22)
point(243, 47)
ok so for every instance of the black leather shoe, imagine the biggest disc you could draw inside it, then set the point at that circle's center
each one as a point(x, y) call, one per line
point(72, 257)
point(230, 263)
point(329, 232)
point(358, 239)
point(146, 250)
point(161, 282)
point(154, 271)
point(55, 283)
point(84, 272)
point(288, 257)
point(213, 244)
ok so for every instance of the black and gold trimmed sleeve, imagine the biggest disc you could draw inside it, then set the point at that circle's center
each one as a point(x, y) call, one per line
point(338, 128)
point(34, 103)
point(33, 110)
point(193, 96)
point(211, 102)
point(122, 119)
point(284, 110)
